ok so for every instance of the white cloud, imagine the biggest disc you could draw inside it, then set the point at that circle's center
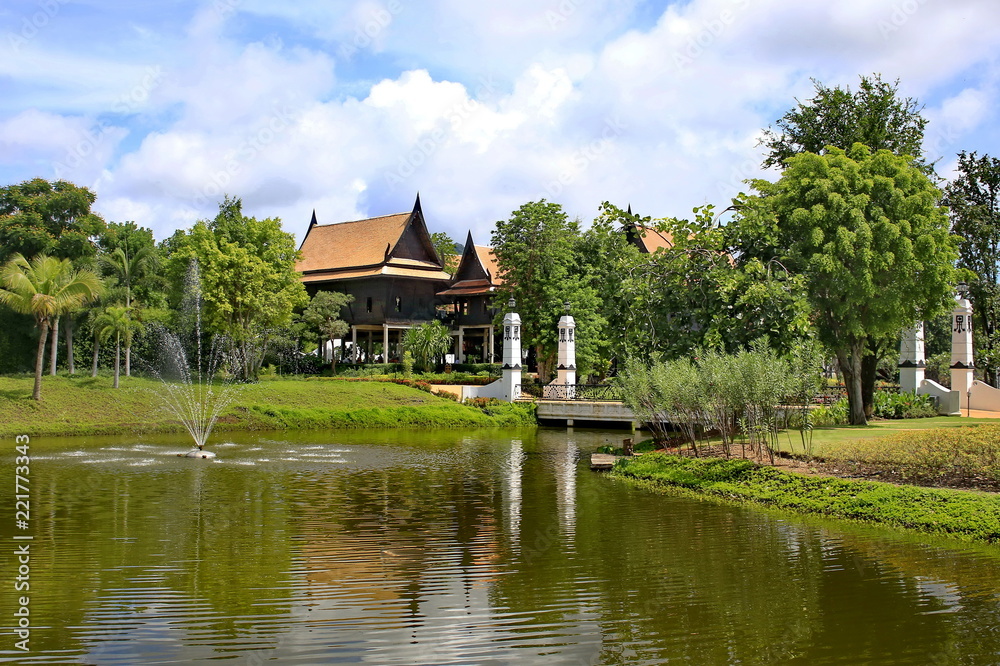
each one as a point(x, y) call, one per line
point(480, 108)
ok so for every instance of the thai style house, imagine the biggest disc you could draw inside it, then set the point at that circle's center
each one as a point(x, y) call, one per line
point(390, 267)
point(647, 239)
point(471, 294)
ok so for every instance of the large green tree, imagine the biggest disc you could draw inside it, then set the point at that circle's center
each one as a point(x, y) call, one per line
point(44, 217)
point(45, 288)
point(248, 280)
point(874, 115)
point(868, 234)
point(973, 198)
point(695, 294)
point(537, 261)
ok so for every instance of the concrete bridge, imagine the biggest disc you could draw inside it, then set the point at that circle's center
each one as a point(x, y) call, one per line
point(581, 404)
point(585, 413)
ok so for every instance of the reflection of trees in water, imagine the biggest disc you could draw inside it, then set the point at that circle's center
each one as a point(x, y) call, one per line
point(126, 549)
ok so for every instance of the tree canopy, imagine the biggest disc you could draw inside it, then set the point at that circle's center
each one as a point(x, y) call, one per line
point(868, 235)
point(973, 198)
point(535, 251)
point(248, 278)
point(874, 115)
point(52, 218)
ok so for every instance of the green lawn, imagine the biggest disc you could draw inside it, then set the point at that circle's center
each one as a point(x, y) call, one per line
point(966, 515)
point(827, 440)
point(82, 405)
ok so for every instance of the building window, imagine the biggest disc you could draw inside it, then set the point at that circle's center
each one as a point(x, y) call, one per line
point(399, 304)
point(368, 304)
point(465, 307)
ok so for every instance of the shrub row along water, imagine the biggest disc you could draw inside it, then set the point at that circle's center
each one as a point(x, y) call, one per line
point(965, 515)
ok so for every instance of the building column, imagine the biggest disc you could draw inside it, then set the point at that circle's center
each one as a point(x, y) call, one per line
point(566, 370)
point(461, 344)
point(512, 354)
point(354, 343)
point(912, 361)
point(489, 349)
point(962, 364)
point(385, 343)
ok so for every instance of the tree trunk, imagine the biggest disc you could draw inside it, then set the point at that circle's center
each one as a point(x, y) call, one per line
point(69, 345)
point(850, 366)
point(333, 358)
point(118, 353)
point(53, 353)
point(869, 369)
point(128, 358)
point(40, 359)
point(97, 351)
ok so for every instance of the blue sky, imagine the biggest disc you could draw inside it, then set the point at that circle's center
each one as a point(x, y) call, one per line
point(351, 108)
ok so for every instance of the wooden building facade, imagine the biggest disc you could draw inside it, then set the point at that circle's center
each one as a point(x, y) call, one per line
point(471, 294)
point(390, 267)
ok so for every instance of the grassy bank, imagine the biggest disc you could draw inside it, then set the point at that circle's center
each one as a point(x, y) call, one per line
point(89, 406)
point(967, 515)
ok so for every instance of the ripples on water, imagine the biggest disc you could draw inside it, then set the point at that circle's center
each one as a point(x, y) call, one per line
point(467, 549)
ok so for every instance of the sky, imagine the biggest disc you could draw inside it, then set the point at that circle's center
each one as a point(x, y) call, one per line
point(351, 108)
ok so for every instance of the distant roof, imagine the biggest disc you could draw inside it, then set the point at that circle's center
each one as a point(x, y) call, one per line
point(649, 240)
point(351, 244)
point(477, 272)
point(397, 245)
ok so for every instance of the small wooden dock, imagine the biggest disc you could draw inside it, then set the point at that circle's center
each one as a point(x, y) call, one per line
point(602, 461)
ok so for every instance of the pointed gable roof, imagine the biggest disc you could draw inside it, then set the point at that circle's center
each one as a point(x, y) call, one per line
point(396, 245)
point(476, 273)
point(649, 240)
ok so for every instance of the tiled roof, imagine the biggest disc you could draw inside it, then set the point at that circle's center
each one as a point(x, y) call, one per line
point(489, 262)
point(652, 240)
point(350, 244)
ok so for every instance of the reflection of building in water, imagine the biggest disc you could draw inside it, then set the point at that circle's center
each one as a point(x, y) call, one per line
point(395, 551)
point(566, 489)
point(514, 469)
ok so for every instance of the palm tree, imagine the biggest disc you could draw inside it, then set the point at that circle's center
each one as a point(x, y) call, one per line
point(45, 288)
point(116, 320)
point(127, 268)
point(427, 342)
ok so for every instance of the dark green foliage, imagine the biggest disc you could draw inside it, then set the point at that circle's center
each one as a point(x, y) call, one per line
point(965, 515)
point(53, 218)
point(903, 405)
point(874, 115)
point(974, 201)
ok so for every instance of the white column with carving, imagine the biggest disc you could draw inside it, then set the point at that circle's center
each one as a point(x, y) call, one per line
point(962, 364)
point(566, 358)
point(512, 354)
point(912, 359)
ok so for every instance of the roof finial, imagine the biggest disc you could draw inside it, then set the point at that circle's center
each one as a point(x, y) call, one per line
point(630, 210)
point(416, 205)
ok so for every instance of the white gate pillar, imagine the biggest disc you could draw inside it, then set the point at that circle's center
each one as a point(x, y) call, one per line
point(912, 360)
point(962, 364)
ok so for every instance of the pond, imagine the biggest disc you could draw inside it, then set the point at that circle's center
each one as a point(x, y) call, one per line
point(485, 547)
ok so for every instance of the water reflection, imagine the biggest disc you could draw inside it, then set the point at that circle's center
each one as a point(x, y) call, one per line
point(464, 548)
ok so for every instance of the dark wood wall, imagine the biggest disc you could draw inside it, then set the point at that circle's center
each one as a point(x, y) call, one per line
point(417, 299)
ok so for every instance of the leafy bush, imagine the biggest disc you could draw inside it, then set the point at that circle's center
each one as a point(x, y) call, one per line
point(830, 415)
point(903, 405)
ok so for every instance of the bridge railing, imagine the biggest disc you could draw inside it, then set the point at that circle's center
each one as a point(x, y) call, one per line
point(587, 392)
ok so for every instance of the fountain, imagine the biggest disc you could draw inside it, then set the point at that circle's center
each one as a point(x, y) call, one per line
point(195, 395)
